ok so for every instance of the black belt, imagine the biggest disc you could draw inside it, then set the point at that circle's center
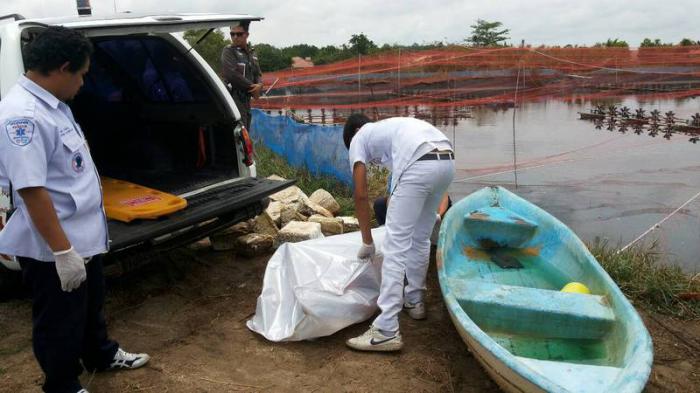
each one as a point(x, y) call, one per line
point(437, 156)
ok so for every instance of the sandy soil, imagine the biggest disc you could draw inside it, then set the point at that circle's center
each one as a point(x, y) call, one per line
point(189, 311)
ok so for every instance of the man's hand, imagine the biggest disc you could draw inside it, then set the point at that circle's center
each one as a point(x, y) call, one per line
point(255, 90)
point(366, 251)
point(70, 267)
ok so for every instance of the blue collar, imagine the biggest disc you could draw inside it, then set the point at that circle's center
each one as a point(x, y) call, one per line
point(38, 91)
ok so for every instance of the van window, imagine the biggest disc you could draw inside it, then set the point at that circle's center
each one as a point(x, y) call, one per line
point(149, 65)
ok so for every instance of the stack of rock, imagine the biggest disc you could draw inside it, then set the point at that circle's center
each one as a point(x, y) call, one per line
point(291, 216)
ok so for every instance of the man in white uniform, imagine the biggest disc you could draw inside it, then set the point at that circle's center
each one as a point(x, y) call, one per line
point(59, 229)
point(420, 158)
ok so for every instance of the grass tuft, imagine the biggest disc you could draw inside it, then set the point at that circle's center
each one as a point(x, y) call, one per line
point(641, 274)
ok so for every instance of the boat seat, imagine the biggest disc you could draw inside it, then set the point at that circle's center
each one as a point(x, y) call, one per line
point(533, 311)
point(495, 226)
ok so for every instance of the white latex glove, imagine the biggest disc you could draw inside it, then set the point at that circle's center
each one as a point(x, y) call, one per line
point(70, 267)
point(366, 251)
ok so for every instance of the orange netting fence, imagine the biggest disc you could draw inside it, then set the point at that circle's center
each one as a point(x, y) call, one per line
point(462, 77)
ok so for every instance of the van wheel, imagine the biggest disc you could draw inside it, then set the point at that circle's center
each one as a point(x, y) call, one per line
point(11, 284)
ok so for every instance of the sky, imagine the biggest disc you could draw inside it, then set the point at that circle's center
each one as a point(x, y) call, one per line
point(327, 22)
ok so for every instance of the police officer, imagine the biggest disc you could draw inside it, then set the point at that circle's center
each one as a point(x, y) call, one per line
point(420, 158)
point(241, 71)
point(59, 229)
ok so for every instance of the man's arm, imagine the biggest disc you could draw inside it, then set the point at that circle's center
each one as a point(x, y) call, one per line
point(229, 66)
point(70, 266)
point(359, 176)
point(43, 215)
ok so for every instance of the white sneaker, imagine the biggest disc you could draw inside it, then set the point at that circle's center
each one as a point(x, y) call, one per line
point(415, 311)
point(82, 391)
point(374, 340)
point(126, 360)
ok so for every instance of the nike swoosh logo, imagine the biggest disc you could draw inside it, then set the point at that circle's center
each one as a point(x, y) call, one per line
point(373, 342)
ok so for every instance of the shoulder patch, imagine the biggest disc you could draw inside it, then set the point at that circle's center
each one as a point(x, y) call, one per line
point(20, 131)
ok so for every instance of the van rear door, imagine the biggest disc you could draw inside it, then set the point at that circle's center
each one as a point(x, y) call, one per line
point(154, 24)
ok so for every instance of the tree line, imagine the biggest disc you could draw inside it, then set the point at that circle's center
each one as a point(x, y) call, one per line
point(271, 58)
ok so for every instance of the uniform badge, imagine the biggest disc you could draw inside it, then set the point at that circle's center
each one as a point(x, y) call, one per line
point(20, 131)
point(77, 162)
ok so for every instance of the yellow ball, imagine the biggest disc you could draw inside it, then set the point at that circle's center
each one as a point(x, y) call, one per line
point(576, 287)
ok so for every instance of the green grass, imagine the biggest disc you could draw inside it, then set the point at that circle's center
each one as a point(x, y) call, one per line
point(268, 163)
point(643, 277)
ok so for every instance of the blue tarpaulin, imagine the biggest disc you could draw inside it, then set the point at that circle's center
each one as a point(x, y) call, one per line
point(318, 148)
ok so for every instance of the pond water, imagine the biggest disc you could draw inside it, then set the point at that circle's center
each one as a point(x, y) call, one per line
point(602, 184)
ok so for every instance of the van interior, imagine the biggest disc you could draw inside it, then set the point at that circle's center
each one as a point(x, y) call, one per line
point(152, 118)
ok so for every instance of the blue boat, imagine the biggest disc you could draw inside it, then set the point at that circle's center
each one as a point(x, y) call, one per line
point(502, 263)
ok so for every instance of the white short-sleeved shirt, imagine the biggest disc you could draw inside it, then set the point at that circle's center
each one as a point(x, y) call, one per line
point(41, 145)
point(395, 143)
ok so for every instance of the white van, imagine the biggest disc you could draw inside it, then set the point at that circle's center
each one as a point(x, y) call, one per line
point(155, 114)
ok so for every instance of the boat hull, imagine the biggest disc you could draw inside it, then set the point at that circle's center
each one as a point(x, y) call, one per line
point(527, 335)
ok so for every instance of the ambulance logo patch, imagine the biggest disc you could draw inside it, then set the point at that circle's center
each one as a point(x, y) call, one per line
point(20, 131)
point(77, 162)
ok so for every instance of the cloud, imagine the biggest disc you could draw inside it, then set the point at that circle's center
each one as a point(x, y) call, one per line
point(320, 23)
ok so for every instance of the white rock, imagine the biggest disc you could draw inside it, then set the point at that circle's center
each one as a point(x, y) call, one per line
point(201, 244)
point(326, 200)
point(254, 244)
point(292, 194)
point(289, 213)
point(240, 229)
point(350, 224)
point(274, 210)
point(297, 231)
point(264, 225)
point(329, 226)
point(308, 208)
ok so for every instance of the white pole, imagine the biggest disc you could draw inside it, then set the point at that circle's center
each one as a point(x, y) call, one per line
point(359, 77)
point(399, 74)
point(515, 109)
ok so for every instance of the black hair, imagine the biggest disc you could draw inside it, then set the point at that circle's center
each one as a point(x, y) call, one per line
point(54, 47)
point(245, 24)
point(352, 124)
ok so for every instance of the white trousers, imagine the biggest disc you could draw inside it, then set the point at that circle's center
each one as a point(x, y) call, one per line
point(410, 219)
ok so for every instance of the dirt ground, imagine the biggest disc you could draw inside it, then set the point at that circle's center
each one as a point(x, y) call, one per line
point(189, 312)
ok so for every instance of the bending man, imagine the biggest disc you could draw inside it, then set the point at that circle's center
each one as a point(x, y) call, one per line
point(420, 158)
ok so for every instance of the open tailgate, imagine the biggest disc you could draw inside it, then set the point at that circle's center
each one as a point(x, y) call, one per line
point(141, 24)
point(237, 201)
